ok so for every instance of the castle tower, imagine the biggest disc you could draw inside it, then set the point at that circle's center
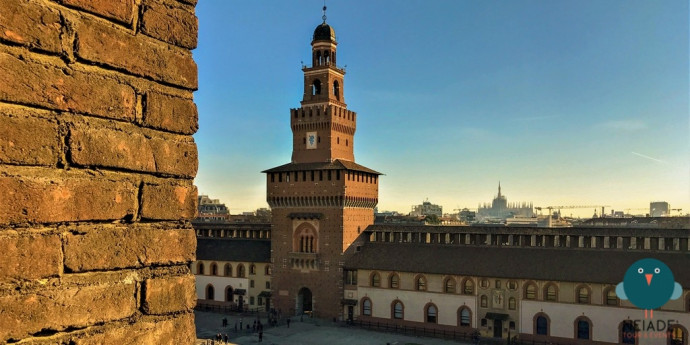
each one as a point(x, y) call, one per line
point(322, 200)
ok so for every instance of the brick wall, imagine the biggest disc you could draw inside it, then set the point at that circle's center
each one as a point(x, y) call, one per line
point(96, 169)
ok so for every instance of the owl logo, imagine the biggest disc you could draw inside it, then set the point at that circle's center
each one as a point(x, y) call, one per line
point(648, 284)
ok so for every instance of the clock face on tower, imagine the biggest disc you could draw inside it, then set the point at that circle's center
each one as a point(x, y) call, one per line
point(311, 140)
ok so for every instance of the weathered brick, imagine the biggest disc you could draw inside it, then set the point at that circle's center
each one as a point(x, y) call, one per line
point(27, 140)
point(99, 146)
point(175, 331)
point(31, 24)
point(169, 200)
point(66, 307)
point(170, 113)
point(128, 147)
point(175, 157)
point(169, 295)
point(30, 257)
point(112, 247)
point(120, 10)
point(139, 55)
point(51, 87)
point(173, 25)
point(61, 196)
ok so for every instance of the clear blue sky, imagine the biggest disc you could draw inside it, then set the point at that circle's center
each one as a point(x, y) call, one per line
point(564, 102)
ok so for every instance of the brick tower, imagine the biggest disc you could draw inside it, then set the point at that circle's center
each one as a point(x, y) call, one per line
point(322, 199)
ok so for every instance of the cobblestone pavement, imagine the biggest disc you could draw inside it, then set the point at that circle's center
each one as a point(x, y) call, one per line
point(308, 332)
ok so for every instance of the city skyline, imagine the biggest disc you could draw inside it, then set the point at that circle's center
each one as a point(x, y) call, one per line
point(564, 103)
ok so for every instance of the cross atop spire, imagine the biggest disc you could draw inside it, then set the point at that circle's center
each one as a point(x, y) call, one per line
point(324, 11)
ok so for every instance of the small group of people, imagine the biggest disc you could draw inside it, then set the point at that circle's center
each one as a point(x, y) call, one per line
point(220, 338)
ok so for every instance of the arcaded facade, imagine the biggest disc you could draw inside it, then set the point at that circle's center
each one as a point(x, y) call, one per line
point(545, 285)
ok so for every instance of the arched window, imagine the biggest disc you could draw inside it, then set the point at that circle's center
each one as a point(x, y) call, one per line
point(210, 292)
point(393, 281)
point(228, 293)
point(200, 268)
point(628, 334)
point(398, 311)
point(267, 270)
point(512, 303)
point(316, 87)
point(551, 292)
point(227, 270)
point(467, 287)
point(484, 301)
point(214, 269)
point(431, 313)
point(375, 279)
point(530, 291)
point(583, 328)
point(464, 317)
point(252, 269)
point(541, 324)
point(240, 271)
point(610, 296)
point(583, 295)
point(420, 283)
point(336, 90)
point(366, 307)
point(306, 239)
point(449, 285)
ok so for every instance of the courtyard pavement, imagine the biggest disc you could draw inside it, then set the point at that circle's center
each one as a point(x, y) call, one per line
point(307, 332)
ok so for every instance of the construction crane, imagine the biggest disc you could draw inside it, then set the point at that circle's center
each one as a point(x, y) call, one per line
point(559, 208)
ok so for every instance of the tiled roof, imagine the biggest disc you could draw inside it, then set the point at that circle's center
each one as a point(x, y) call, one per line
point(334, 165)
point(556, 264)
point(231, 249)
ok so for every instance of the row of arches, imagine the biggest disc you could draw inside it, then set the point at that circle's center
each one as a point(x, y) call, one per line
point(228, 270)
point(323, 57)
point(420, 283)
point(583, 293)
point(397, 312)
point(628, 333)
point(550, 291)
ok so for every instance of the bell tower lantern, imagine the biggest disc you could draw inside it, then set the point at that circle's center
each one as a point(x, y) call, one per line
point(323, 81)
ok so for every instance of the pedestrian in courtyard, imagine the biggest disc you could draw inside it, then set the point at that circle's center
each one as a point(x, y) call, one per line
point(261, 336)
point(235, 326)
point(240, 324)
point(226, 338)
point(288, 322)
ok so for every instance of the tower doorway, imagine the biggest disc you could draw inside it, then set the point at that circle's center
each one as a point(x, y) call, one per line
point(304, 301)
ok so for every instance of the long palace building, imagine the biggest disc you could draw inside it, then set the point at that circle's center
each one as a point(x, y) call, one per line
point(327, 259)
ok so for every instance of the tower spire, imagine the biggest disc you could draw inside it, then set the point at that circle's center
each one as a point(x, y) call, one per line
point(499, 189)
point(324, 12)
